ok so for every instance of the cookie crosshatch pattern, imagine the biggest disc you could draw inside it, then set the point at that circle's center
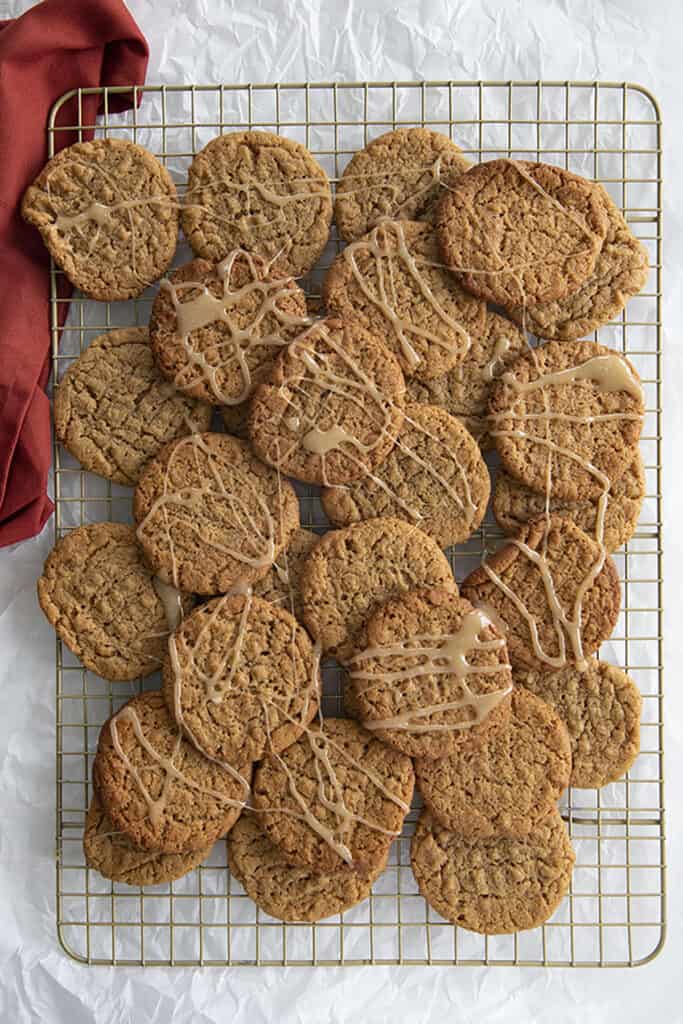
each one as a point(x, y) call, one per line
point(614, 914)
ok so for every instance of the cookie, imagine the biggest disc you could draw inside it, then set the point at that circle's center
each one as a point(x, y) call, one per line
point(332, 407)
point(260, 192)
point(601, 709)
point(107, 211)
point(464, 391)
point(392, 282)
point(567, 416)
point(159, 789)
point(114, 411)
point(504, 782)
point(434, 478)
point(518, 233)
point(431, 672)
point(554, 588)
point(620, 272)
point(286, 891)
point(211, 516)
point(401, 174)
point(493, 886)
point(115, 857)
point(241, 678)
point(215, 329)
point(105, 604)
point(282, 584)
point(335, 799)
point(353, 571)
point(514, 505)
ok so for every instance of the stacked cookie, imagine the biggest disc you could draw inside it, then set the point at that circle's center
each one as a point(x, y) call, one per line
point(489, 695)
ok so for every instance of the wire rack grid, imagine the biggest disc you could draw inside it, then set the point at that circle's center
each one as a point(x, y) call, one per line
point(614, 914)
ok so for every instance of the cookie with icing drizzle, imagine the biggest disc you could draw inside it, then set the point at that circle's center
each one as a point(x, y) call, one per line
point(464, 391)
point(107, 211)
point(282, 583)
point(336, 798)
point(555, 589)
point(332, 407)
point(434, 478)
point(216, 329)
point(114, 411)
point(517, 233)
point(157, 788)
point(620, 272)
point(502, 783)
point(493, 886)
point(241, 678)
point(391, 280)
point(351, 572)
point(106, 605)
point(429, 672)
point(601, 709)
point(286, 891)
point(260, 192)
point(113, 854)
point(514, 505)
point(210, 516)
point(401, 174)
point(566, 418)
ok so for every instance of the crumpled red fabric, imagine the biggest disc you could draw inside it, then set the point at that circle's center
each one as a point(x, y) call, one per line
point(56, 46)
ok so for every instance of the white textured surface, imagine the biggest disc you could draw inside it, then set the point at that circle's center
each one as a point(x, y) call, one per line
point(211, 40)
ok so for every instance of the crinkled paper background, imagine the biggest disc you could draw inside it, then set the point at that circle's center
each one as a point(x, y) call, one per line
point(294, 40)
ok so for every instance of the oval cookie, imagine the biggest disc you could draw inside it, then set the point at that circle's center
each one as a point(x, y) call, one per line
point(211, 516)
point(108, 213)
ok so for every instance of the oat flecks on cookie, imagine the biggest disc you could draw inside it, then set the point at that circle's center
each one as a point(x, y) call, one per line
point(211, 516)
point(114, 410)
point(260, 192)
point(401, 174)
point(108, 213)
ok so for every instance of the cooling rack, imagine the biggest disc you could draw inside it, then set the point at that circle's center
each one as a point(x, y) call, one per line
point(614, 914)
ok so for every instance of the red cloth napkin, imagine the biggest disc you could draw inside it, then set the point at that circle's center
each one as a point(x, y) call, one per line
point(54, 47)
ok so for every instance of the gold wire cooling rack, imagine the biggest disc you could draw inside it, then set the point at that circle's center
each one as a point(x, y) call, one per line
point(614, 914)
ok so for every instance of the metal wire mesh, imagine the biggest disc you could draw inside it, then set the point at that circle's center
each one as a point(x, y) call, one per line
point(614, 914)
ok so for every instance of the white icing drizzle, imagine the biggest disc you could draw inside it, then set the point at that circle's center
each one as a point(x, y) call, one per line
point(500, 349)
point(172, 601)
point(608, 372)
point(389, 251)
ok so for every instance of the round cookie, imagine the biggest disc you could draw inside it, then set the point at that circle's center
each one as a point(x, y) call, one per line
point(493, 886)
point(332, 407)
point(104, 603)
point(502, 783)
point(464, 391)
point(392, 282)
point(114, 411)
point(282, 584)
point(574, 406)
point(432, 673)
point(335, 798)
point(554, 588)
point(514, 505)
point(211, 516)
point(621, 271)
point(241, 678)
point(353, 571)
point(216, 328)
point(260, 192)
point(159, 789)
point(108, 213)
point(601, 709)
point(115, 857)
point(516, 232)
point(434, 477)
point(286, 891)
point(401, 174)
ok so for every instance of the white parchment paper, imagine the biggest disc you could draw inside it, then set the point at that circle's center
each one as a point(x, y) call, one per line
point(295, 40)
